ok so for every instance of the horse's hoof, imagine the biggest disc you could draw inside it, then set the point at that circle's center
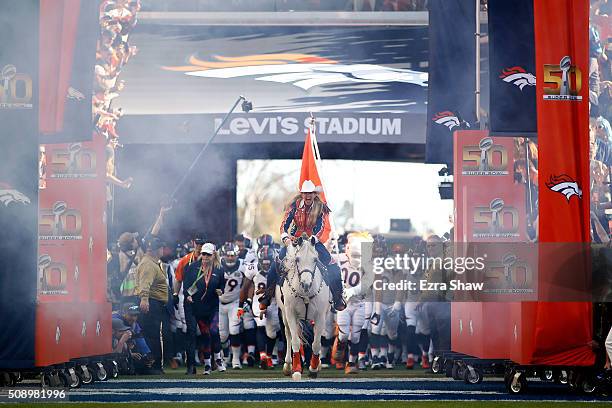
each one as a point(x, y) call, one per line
point(287, 369)
point(313, 374)
point(297, 376)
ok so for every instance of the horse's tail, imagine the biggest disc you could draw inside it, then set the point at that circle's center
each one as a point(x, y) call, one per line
point(306, 332)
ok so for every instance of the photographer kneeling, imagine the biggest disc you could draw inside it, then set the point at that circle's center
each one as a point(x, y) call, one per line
point(140, 353)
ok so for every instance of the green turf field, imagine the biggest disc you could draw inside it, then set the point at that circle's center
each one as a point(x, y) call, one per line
point(256, 373)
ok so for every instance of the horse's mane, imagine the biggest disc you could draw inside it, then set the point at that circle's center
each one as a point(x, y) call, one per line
point(290, 258)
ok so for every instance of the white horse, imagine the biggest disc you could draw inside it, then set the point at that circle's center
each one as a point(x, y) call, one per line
point(304, 295)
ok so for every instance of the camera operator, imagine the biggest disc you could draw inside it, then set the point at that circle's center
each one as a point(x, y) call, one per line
point(129, 316)
point(121, 335)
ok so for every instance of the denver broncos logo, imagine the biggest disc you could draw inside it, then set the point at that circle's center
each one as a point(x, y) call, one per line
point(518, 76)
point(301, 70)
point(9, 195)
point(565, 185)
point(446, 118)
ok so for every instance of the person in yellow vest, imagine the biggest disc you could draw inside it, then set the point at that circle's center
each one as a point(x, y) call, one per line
point(152, 290)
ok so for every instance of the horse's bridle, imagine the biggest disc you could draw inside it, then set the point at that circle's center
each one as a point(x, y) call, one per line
point(299, 273)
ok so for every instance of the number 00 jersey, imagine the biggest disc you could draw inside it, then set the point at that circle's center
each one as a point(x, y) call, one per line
point(351, 276)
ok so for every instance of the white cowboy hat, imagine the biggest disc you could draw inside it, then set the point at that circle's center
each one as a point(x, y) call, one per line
point(308, 187)
point(207, 248)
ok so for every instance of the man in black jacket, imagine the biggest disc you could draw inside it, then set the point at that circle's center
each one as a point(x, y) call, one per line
point(203, 283)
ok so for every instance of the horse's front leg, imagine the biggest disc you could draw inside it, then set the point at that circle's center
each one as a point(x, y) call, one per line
point(292, 322)
point(315, 361)
point(288, 353)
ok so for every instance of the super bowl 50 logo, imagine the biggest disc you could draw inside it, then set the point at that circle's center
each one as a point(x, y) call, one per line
point(15, 89)
point(60, 223)
point(563, 81)
point(510, 274)
point(53, 276)
point(496, 220)
point(75, 161)
point(486, 159)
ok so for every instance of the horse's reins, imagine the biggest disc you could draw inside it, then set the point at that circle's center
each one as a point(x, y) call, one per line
point(305, 299)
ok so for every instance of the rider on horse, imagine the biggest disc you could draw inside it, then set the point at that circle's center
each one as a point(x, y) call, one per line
point(308, 214)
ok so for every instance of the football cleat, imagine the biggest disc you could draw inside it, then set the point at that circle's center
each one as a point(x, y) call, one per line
point(324, 362)
point(350, 369)
point(174, 363)
point(220, 365)
point(236, 365)
point(376, 363)
point(361, 363)
point(339, 351)
point(410, 363)
point(387, 363)
point(265, 363)
point(425, 362)
point(250, 360)
point(207, 369)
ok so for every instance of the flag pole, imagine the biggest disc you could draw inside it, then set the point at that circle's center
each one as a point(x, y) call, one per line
point(319, 166)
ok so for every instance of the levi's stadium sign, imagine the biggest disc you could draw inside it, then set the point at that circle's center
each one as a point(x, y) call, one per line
point(268, 127)
point(362, 83)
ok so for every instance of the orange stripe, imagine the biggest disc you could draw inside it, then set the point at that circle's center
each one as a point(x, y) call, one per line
point(248, 60)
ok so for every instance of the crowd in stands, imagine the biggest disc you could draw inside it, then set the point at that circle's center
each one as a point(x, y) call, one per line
point(286, 5)
point(600, 102)
point(117, 20)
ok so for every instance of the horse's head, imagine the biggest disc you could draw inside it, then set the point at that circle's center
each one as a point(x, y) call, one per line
point(305, 261)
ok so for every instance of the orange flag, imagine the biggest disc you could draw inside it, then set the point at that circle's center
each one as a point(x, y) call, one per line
point(309, 165)
point(310, 172)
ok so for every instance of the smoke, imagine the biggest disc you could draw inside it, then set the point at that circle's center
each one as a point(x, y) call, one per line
point(18, 177)
point(203, 204)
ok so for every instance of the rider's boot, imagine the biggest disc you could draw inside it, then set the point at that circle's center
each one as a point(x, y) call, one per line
point(335, 282)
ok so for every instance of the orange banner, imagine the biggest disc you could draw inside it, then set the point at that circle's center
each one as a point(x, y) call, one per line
point(490, 207)
point(562, 72)
point(73, 314)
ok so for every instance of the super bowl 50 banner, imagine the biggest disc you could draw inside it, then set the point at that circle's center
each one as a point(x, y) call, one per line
point(18, 180)
point(562, 69)
point(490, 219)
point(73, 313)
point(72, 223)
point(512, 106)
point(490, 205)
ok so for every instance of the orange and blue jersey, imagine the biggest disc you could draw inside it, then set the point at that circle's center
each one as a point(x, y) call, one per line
point(295, 222)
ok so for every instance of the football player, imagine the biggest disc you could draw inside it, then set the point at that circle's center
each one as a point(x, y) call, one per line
point(351, 320)
point(229, 321)
point(386, 316)
point(267, 322)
